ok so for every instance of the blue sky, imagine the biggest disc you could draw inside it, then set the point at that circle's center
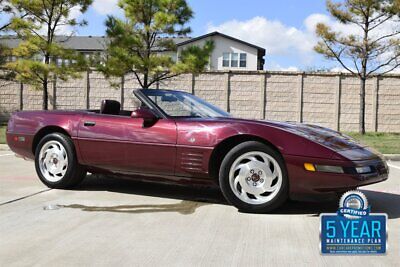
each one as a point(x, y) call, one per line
point(284, 28)
point(289, 12)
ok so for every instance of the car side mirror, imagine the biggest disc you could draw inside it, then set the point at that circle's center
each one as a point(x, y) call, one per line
point(148, 116)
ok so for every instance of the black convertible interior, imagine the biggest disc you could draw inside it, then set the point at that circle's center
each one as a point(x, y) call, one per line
point(112, 107)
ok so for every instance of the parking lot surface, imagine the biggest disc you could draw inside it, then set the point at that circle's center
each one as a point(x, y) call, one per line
point(109, 221)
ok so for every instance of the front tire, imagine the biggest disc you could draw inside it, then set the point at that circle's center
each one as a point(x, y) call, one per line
point(253, 178)
point(56, 163)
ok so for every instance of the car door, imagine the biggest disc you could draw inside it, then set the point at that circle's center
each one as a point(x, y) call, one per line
point(122, 144)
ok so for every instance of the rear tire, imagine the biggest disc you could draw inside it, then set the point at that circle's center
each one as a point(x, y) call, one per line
point(253, 178)
point(56, 163)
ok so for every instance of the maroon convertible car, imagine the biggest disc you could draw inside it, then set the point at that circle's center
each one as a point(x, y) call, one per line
point(177, 137)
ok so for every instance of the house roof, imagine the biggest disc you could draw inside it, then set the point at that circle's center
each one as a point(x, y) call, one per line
point(99, 43)
point(176, 40)
point(80, 43)
point(222, 35)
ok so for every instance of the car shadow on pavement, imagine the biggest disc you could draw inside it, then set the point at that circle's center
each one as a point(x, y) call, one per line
point(384, 202)
point(204, 194)
point(184, 207)
point(194, 196)
point(380, 202)
point(191, 197)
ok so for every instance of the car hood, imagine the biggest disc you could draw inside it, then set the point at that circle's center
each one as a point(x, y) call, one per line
point(321, 135)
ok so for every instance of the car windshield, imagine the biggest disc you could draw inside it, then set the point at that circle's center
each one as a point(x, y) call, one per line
point(181, 104)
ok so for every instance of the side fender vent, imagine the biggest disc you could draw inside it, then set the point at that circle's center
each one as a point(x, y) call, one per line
point(191, 161)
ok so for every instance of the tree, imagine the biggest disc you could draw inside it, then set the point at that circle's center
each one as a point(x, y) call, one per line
point(39, 48)
point(373, 49)
point(141, 44)
point(5, 74)
point(5, 9)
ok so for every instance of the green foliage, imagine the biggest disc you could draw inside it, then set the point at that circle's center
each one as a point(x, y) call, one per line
point(141, 43)
point(3, 134)
point(194, 59)
point(5, 74)
point(29, 69)
point(39, 48)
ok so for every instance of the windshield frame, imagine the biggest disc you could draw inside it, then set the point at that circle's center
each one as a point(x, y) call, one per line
point(142, 95)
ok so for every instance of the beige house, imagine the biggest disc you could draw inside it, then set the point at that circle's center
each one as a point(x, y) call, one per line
point(229, 53)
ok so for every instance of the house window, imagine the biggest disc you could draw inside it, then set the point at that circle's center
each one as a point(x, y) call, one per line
point(11, 58)
point(243, 57)
point(234, 59)
point(59, 62)
point(225, 59)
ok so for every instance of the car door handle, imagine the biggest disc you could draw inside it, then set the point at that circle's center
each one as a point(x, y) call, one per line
point(89, 123)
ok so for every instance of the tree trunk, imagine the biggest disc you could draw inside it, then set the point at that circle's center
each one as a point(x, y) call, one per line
point(145, 80)
point(46, 83)
point(361, 127)
point(45, 95)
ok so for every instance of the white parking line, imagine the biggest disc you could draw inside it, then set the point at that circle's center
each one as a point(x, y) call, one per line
point(6, 155)
point(393, 166)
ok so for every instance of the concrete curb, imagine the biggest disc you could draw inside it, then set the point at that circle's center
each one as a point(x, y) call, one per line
point(4, 147)
point(392, 156)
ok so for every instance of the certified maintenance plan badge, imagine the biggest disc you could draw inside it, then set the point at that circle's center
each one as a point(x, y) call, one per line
point(353, 229)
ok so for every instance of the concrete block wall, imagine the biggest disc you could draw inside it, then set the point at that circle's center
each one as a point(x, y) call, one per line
point(181, 83)
point(9, 98)
point(319, 100)
point(100, 88)
point(388, 115)
point(32, 98)
point(130, 83)
point(326, 99)
point(212, 87)
point(70, 94)
point(282, 97)
point(245, 95)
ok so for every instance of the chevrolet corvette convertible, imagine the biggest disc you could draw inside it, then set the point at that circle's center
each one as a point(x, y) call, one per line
point(173, 136)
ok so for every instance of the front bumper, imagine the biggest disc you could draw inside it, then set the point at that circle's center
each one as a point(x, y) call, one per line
point(306, 183)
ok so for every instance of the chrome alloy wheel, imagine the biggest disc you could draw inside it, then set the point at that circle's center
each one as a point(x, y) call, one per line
point(53, 161)
point(255, 177)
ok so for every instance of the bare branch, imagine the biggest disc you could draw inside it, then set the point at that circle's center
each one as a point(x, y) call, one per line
point(337, 56)
point(138, 79)
point(380, 23)
point(164, 76)
point(387, 63)
point(393, 68)
point(384, 37)
point(356, 65)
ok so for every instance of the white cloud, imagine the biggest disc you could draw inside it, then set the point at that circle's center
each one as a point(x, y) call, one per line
point(283, 40)
point(277, 38)
point(340, 69)
point(106, 7)
point(275, 66)
point(75, 13)
point(311, 22)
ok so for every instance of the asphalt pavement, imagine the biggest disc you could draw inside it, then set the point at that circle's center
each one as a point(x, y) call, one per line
point(119, 222)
